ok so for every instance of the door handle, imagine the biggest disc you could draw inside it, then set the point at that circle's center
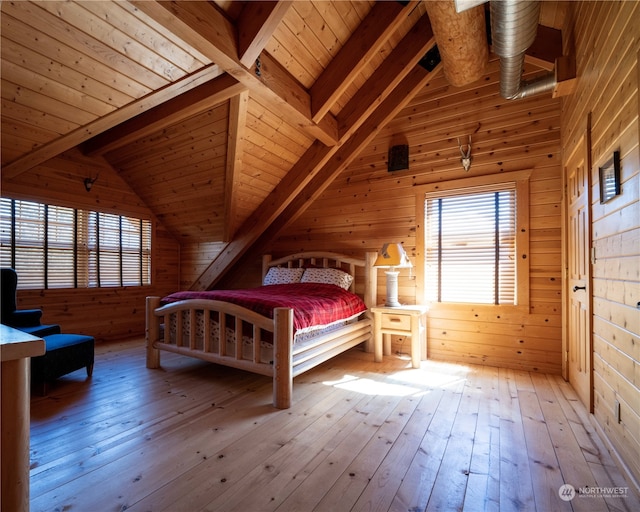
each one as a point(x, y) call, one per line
point(576, 288)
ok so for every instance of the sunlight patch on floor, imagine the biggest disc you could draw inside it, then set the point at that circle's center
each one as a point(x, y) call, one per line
point(373, 387)
point(429, 377)
point(405, 382)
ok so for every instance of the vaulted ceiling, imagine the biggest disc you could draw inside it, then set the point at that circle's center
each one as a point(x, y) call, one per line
point(226, 118)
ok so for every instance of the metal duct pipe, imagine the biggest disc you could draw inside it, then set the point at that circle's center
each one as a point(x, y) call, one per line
point(514, 25)
point(538, 86)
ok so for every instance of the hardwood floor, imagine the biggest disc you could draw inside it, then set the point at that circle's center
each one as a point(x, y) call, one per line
point(360, 436)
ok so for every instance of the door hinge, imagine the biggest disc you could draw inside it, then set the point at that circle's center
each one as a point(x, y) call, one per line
point(593, 255)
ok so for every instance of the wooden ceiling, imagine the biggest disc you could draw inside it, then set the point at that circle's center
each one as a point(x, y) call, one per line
point(226, 118)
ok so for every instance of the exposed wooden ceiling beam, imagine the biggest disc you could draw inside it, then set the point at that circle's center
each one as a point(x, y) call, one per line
point(235, 138)
point(78, 136)
point(285, 86)
point(374, 31)
point(256, 24)
point(414, 82)
point(388, 110)
point(293, 183)
point(205, 28)
point(300, 184)
point(196, 100)
point(386, 78)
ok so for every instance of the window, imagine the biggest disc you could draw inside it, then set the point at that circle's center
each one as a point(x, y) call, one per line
point(474, 242)
point(57, 247)
point(470, 248)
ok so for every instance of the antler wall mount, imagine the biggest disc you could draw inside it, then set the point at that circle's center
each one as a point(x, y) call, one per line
point(465, 155)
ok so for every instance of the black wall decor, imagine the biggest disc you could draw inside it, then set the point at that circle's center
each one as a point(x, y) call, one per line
point(609, 175)
point(398, 158)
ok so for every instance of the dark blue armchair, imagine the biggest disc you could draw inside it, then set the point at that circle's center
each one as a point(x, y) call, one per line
point(27, 320)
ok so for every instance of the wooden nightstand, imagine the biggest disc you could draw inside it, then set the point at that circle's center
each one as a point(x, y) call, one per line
point(404, 321)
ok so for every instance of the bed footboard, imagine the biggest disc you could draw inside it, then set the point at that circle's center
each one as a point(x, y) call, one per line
point(188, 328)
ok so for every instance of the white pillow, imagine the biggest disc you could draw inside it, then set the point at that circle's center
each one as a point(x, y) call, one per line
point(283, 275)
point(327, 276)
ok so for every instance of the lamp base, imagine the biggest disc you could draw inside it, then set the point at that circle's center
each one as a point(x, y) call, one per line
point(392, 289)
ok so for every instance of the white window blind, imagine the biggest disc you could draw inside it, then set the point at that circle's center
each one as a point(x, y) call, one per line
point(135, 250)
point(57, 247)
point(61, 243)
point(470, 245)
point(6, 232)
point(83, 267)
point(105, 229)
point(29, 230)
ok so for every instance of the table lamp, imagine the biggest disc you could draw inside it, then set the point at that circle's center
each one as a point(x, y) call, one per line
point(391, 257)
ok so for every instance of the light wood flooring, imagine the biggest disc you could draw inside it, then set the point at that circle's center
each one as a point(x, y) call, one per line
point(360, 436)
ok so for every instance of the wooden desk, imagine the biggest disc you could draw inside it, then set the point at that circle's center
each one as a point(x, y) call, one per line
point(402, 321)
point(16, 347)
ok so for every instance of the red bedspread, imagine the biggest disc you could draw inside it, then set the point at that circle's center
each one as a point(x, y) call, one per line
point(313, 304)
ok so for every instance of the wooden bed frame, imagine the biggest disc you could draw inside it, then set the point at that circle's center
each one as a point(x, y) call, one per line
point(289, 359)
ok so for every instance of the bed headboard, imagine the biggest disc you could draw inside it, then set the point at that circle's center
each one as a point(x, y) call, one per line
point(360, 268)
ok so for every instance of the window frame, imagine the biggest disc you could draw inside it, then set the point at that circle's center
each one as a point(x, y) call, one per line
point(81, 250)
point(520, 181)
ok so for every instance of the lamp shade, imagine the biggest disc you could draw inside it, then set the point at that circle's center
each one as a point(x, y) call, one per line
point(392, 255)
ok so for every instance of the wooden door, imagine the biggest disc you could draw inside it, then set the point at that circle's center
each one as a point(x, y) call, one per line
point(579, 348)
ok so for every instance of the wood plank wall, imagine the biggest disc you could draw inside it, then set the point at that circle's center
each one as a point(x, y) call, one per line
point(367, 206)
point(195, 258)
point(105, 313)
point(178, 168)
point(606, 36)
